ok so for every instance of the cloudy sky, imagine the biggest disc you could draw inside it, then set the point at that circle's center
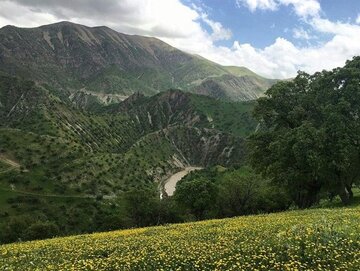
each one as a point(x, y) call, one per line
point(274, 38)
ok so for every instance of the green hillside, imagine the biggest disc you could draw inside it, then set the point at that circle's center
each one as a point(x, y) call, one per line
point(319, 239)
point(37, 126)
point(226, 116)
point(53, 153)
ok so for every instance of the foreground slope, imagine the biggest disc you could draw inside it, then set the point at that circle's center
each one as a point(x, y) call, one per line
point(322, 239)
point(99, 60)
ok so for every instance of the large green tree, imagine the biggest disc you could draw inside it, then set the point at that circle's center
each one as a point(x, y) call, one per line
point(243, 192)
point(197, 197)
point(309, 137)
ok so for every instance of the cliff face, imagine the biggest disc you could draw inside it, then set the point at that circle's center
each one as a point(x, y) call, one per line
point(73, 57)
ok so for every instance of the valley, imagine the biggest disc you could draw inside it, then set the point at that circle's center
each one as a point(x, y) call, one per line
point(66, 155)
point(122, 152)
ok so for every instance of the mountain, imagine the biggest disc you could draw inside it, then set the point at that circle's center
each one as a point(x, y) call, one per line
point(89, 115)
point(183, 128)
point(100, 64)
point(55, 156)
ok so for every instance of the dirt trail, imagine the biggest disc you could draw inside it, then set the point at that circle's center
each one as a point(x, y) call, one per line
point(171, 182)
point(8, 161)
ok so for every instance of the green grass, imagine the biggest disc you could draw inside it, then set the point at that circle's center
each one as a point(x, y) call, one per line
point(318, 239)
point(240, 71)
point(336, 202)
point(115, 80)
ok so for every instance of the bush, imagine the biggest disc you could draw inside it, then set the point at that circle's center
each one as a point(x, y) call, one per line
point(142, 207)
point(244, 192)
point(13, 230)
point(197, 197)
point(41, 230)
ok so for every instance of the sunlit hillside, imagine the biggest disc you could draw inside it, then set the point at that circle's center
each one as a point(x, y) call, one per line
point(318, 239)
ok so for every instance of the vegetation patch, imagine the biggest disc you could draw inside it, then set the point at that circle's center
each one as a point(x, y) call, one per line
point(321, 239)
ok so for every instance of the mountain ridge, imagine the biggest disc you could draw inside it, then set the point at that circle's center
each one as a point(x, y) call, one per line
point(74, 57)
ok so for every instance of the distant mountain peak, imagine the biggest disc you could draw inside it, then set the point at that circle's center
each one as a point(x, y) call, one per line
point(72, 57)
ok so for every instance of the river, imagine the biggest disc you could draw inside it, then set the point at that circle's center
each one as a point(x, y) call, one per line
point(170, 183)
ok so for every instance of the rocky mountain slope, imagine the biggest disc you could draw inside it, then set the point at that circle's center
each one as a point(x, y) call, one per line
point(112, 148)
point(101, 63)
point(61, 163)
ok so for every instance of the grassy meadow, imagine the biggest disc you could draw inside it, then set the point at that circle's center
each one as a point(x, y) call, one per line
point(317, 239)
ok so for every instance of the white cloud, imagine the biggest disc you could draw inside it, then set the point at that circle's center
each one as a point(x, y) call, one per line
point(163, 18)
point(258, 4)
point(358, 19)
point(182, 26)
point(218, 31)
point(282, 59)
point(9, 12)
point(302, 8)
point(337, 28)
point(301, 33)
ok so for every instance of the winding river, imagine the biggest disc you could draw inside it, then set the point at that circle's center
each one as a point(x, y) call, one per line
point(170, 183)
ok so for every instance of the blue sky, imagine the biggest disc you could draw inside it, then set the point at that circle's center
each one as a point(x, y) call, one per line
point(274, 38)
point(262, 27)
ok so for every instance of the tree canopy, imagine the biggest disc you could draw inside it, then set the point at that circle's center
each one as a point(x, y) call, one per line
point(309, 135)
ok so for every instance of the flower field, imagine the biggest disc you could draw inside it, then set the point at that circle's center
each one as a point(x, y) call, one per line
point(323, 239)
